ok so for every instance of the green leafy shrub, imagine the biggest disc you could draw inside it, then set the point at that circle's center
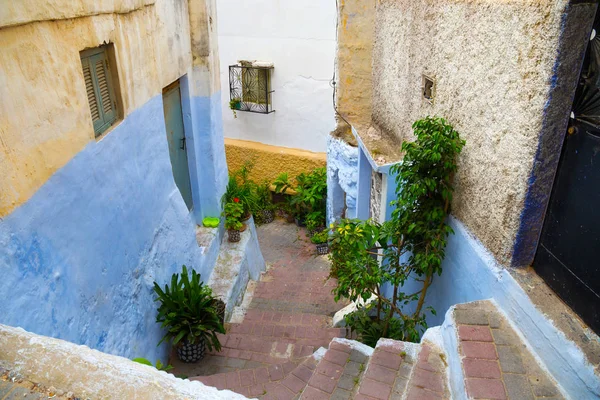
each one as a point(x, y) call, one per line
point(315, 220)
point(233, 213)
point(159, 365)
point(187, 310)
point(242, 187)
point(411, 244)
point(320, 237)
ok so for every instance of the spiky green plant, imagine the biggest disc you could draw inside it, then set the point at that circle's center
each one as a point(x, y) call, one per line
point(187, 310)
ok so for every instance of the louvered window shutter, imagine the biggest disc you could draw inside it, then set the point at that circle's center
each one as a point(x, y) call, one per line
point(99, 89)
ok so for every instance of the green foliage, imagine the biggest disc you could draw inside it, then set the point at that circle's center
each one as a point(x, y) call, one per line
point(233, 213)
point(234, 103)
point(187, 311)
point(315, 220)
point(310, 195)
point(159, 365)
point(282, 183)
point(311, 191)
point(242, 187)
point(367, 255)
point(321, 237)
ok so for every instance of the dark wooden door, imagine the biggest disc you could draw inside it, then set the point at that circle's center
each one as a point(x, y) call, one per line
point(568, 257)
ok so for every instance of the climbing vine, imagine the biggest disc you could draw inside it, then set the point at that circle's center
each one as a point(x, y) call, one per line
point(368, 257)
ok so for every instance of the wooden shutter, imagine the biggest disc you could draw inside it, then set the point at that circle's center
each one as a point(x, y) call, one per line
point(99, 89)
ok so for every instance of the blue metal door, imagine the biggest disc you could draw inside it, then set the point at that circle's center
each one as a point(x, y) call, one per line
point(176, 139)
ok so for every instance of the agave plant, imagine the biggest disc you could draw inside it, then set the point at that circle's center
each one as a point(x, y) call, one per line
point(187, 310)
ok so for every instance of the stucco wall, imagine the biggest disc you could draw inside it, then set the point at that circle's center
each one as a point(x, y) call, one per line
point(90, 374)
point(299, 38)
point(87, 225)
point(79, 258)
point(493, 63)
point(44, 114)
point(270, 161)
point(354, 87)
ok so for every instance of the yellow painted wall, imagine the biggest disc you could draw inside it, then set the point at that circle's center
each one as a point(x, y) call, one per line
point(270, 161)
point(44, 113)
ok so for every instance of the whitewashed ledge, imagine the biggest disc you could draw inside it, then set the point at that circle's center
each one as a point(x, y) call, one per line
point(91, 374)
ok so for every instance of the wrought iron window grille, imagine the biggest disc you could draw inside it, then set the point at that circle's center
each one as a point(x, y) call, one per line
point(250, 89)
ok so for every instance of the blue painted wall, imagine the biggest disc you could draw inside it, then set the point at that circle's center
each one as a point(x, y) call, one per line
point(79, 258)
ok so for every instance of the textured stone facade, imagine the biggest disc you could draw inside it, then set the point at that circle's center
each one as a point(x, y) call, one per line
point(494, 68)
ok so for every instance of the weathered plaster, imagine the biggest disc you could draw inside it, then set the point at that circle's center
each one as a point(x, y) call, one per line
point(342, 177)
point(79, 258)
point(237, 264)
point(270, 161)
point(91, 374)
point(299, 39)
point(44, 114)
point(354, 86)
point(26, 11)
point(493, 63)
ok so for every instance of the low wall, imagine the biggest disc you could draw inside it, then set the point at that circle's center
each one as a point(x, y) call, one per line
point(91, 374)
point(270, 161)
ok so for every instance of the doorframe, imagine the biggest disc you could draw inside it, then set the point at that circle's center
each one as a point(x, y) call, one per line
point(576, 27)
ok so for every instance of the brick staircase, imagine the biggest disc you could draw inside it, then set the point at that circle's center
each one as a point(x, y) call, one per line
point(286, 348)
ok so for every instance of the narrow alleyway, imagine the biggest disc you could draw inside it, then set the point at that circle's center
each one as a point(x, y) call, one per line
point(288, 318)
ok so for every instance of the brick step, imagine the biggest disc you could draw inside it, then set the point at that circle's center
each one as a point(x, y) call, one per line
point(495, 361)
point(294, 383)
point(283, 318)
point(249, 382)
point(339, 371)
point(262, 349)
point(404, 370)
point(305, 334)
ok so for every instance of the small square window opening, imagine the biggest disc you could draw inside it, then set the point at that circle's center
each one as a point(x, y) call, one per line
point(428, 88)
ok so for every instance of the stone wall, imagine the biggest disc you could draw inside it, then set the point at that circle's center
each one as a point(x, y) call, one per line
point(493, 63)
point(88, 373)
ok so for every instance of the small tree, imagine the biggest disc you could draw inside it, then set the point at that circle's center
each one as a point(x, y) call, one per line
point(367, 255)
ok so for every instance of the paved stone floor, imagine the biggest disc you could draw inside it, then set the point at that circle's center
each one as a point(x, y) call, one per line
point(288, 318)
point(14, 388)
point(496, 363)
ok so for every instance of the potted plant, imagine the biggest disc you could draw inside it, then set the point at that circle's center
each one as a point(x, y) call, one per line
point(264, 204)
point(282, 184)
point(187, 311)
point(235, 104)
point(321, 240)
point(315, 222)
point(240, 186)
point(233, 214)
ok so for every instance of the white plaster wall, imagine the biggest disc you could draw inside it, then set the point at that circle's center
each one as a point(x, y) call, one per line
point(299, 38)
